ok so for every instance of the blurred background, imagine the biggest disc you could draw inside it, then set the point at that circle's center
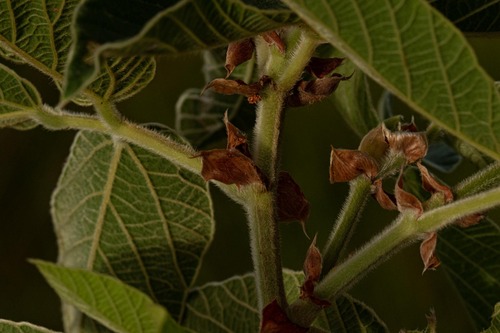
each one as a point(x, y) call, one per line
point(31, 161)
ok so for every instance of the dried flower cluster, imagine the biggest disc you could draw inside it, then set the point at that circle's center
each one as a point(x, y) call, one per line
point(380, 145)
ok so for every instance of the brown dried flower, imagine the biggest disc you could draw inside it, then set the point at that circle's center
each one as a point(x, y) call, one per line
point(345, 165)
point(237, 53)
point(427, 252)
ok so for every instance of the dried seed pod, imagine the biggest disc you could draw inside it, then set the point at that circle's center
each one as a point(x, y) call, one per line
point(427, 252)
point(272, 37)
point(345, 165)
point(412, 144)
point(230, 166)
point(235, 138)
point(237, 53)
point(405, 200)
point(320, 67)
point(309, 92)
point(432, 185)
point(291, 202)
point(385, 200)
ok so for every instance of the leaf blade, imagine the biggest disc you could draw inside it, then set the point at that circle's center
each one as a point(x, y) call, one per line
point(118, 306)
point(418, 55)
point(123, 211)
point(7, 326)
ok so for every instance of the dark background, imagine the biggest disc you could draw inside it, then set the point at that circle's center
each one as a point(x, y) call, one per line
point(31, 161)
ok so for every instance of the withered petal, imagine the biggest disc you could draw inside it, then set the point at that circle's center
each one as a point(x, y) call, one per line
point(320, 67)
point(291, 202)
point(272, 37)
point(345, 165)
point(405, 200)
point(427, 252)
point(309, 92)
point(385, 200)
point(237, 53)
point(431, 185)
point(230, 166)
point(275, 320)
point(235, 138)
point(412, 144)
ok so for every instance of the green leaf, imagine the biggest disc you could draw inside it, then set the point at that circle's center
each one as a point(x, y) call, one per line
point(167, 28)
point(50, 22)
point(7, 326)
point(199, 117)
point(409, 48)
point(231, 306)
point(18, 100)
point(495, 321)
point(471, 257)
point(121, 210)
point(471, 15)
point(116, 305)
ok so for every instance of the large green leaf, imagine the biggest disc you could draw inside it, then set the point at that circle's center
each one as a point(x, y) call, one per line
point(121, 210)
point(18, 100)
point(7, 326)
point(116, 305)
point(409, 48)
point(471, 15)
point(495, 321)
point(151, 27)
point(37, 32)
point(471, 257)
point(231, 306)
point(199, 117)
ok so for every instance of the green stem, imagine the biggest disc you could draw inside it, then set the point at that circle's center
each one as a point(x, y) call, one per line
point(359, 189)
point(484, 179)
point(406, 229)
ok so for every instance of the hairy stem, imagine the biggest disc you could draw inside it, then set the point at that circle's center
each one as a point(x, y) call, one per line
point(359, 189)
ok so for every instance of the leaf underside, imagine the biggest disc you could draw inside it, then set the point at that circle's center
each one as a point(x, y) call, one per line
point(418, 55)
point(7, 326)
point(121, 210)
point(50, 22)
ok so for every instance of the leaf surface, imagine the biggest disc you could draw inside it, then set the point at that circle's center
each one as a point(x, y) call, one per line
point(164, 28)
point(231, 306)
point(121, 210)
point(50, 22)
point(409, 48)
point(7, 326)
point(18, 100)
point(118, 306)
point(471, 257)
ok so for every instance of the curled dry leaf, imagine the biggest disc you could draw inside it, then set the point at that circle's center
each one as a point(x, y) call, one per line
point(237, 53)
point(431, 185)
point(291, 202)
point(230, 166)
point(235, 138)
point(412, 144)
point(320, 67)
point(309, 92)
point(272, 37)
point(374, 143)
point(427, 252)
point(385, 200)
point(275, 320)
point(405, 200)
point(345, 165)
point(231, 87)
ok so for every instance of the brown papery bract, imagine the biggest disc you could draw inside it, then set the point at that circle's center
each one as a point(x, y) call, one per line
point(231, 87)
point(412, 144)
point(275, 320)
point(427, 252)
point(405, 200)
point(309, 92)
point(384, 199)
point(235, 138)
point(237, 53)
point(320, 67)
point(470, 220)
point(230, 166)
point(374, 143)
point(432, 185)
point(345, 165)
point(291, 202)
point(273, 38)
